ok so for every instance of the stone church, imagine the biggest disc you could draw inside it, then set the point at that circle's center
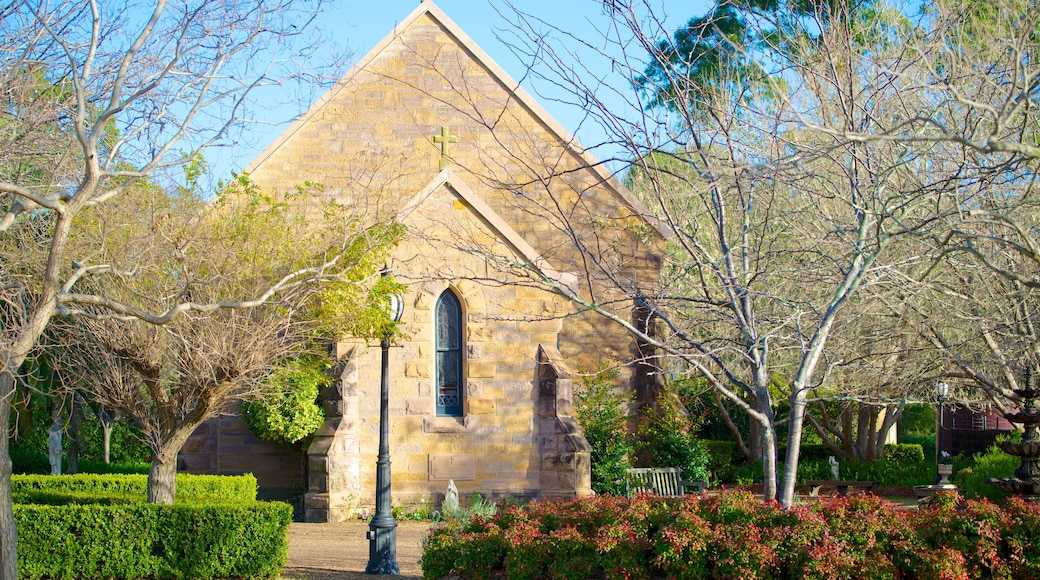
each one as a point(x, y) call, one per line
point(514, 232)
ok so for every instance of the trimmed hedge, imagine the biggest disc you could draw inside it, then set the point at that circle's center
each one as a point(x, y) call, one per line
point(88, 487)
point(231, 540)
point(736, 535)
point(904, 452)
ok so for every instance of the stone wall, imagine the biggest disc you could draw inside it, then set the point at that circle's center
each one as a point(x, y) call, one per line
point(225, 446)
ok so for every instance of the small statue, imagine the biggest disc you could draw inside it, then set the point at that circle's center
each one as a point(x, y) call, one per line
point(54, 448)
point(834, 468)
point(451, 499)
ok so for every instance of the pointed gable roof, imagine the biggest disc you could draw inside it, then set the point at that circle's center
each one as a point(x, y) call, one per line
point(564, 137)
point(495, 222)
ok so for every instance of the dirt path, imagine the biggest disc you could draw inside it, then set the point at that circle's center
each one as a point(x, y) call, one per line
point(340, 551)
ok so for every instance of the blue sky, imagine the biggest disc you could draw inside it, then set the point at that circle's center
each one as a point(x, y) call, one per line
point(360, 24)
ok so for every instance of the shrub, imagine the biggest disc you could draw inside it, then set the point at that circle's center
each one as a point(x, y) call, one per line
point(993, 463)
point(735, 535)
point(904, 452)
point(722, 457)
point(243, 539)
point(667, 438)
point(189, 487)
point(601, 412)
point(890, 472)
point(289, 412)
point(124, 467)
point(885, 471)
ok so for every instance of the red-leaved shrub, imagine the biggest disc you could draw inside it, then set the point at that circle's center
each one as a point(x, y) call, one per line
point(736, 535)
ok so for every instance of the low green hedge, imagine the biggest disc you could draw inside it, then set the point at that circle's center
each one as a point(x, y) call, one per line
point(736, 535)
point(906, 452)
point(901, 464)
point(47, 488)
point(140, 540)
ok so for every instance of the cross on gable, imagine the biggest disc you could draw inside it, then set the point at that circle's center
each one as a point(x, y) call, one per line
point(445, 139)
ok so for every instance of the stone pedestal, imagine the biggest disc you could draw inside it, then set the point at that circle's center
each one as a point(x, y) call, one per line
point(945, 471)
point(334, 457)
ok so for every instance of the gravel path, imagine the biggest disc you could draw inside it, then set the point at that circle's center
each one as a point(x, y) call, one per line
point(340, 551)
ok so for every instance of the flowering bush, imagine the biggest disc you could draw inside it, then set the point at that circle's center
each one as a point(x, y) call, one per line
point(736, 535)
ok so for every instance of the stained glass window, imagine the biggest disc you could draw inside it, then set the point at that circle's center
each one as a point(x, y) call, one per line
point(448, 323)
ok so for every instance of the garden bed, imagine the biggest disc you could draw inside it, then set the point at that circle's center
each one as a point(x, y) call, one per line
point(734, 534)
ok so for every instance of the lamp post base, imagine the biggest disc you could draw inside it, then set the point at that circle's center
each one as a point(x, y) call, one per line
point(382, 549)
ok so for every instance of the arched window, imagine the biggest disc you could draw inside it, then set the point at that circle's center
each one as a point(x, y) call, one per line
point(448, 325)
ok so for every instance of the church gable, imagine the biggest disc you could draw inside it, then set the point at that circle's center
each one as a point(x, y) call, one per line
point(427, 98)
point(388, 113)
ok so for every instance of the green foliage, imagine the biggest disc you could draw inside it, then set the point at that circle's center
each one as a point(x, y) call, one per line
point(702, 55)
point(125, 468)
point(230, 540)
point(601, 412)
point(889, 471)
point(289, 412)
point(190, 488)
point(970, 475)
point(722, 457)
point(696, 395)
point(667, 438)
point(32, 418)
point(810, 452)
point(903, 465)
point(346, 307)
point(904, 452)
point(917, 420)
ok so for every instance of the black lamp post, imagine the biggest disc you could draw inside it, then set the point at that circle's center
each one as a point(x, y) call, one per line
point(382, 530)
point(942, 389)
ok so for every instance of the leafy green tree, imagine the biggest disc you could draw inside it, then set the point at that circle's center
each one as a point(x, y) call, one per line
point(290, 412)
point(170, 378)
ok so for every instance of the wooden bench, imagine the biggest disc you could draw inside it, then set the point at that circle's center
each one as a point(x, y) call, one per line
point(660, 481)
point(842, 486)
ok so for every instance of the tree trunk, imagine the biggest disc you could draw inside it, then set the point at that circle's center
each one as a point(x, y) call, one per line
point(106, 441)
point(8, 530)
point(755, 437)
point(892, 415)
point(162, 478)
point(846, 429)
point(766, 441)
point(794, 444)
point(72, 453)
point(108, 422)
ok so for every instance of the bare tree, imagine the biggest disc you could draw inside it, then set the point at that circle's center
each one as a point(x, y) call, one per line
point(115, 95)
point(778, 227)
point(170, 379)
point(885, 364)
point(977, 75)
